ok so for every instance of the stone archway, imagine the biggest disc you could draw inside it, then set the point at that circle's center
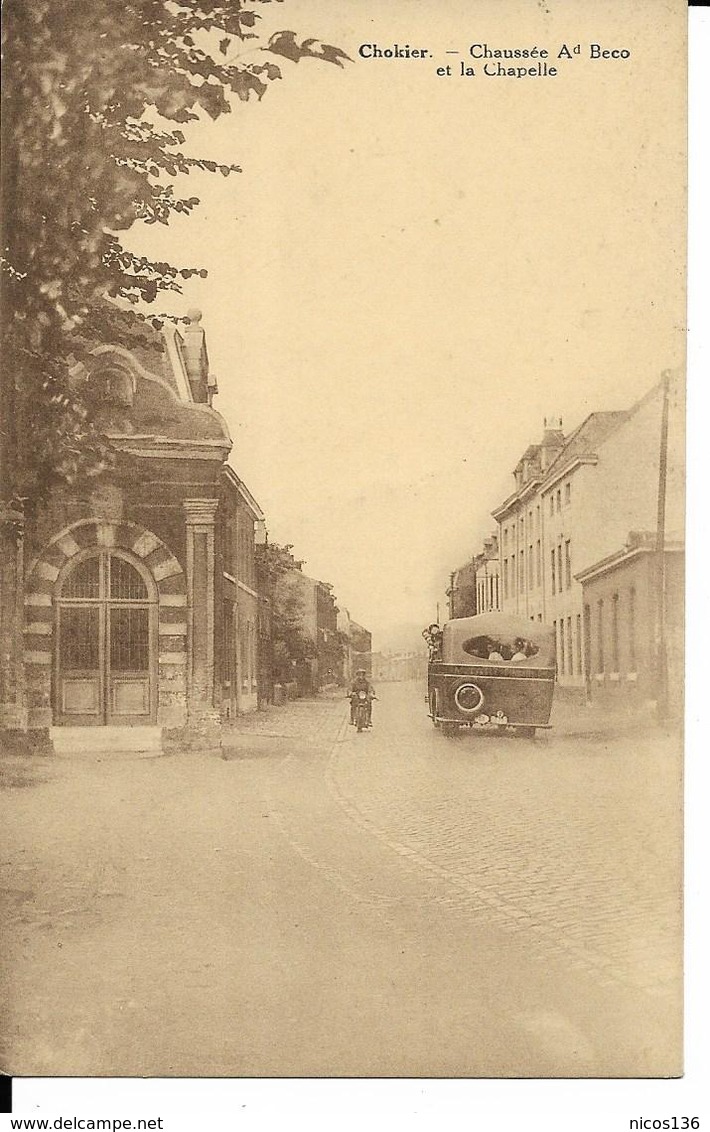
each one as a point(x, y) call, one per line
point(165, 578)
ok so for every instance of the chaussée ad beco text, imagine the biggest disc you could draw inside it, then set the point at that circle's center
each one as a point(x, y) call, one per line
point(491, 61)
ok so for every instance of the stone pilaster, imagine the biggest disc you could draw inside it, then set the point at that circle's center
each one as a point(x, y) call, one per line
point(13, 708)
point(203, 716)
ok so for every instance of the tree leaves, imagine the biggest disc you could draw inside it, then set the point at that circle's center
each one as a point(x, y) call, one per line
point(285, 43)
point(290, 640)
point(94, 95)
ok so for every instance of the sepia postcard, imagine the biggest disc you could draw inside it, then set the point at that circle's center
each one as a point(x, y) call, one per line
point(343, 540)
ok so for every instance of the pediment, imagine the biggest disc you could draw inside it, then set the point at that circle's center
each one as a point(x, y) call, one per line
point(137, 403)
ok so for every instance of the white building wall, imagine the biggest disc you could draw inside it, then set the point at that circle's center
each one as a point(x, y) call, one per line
point(521, 532)
point(568, 515)
point(624, 491)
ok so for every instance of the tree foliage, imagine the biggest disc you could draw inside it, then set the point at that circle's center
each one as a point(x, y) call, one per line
point(290, 641)
point(95, 97)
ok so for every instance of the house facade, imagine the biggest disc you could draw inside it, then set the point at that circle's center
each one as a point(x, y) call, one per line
point(576, 499)
point(139, 590)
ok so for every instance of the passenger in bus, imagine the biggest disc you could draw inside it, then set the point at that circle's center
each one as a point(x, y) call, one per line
point(524, 649)
point(484, 647)
point(497, 651)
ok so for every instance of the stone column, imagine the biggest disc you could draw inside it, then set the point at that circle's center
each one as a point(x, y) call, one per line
point(13, 708)
point(203, 716)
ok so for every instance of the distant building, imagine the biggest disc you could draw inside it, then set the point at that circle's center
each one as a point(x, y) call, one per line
point(462, 590)
point(391, 666)
point(488, 577)
point(475, 586)
point(318, 615)
point(356, 643)
point(361, 642)
point(329, 649)
point(345, 630)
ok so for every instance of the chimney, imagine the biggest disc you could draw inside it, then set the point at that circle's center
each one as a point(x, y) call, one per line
point(553, 440)
point(490, 547)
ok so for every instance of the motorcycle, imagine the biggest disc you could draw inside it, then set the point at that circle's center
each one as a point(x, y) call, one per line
point(361, 709)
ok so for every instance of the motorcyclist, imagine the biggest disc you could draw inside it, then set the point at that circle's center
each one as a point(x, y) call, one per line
point(360, 683)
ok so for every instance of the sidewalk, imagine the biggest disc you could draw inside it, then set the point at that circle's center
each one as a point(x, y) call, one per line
point(316, 721)
point(576, 718)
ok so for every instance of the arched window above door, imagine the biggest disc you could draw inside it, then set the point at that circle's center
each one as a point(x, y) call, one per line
point(84, 580)
point(126, 583)
point(106, 575)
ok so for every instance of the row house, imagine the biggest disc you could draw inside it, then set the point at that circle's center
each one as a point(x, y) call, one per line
point(576, 498)
point(139, 589)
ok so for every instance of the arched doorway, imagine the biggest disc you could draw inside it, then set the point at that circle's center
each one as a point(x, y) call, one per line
point(105, 641)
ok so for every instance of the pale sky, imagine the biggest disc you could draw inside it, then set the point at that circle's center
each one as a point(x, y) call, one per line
point(412, 271)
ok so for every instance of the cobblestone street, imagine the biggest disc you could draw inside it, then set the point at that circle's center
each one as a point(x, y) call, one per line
point(322, 902)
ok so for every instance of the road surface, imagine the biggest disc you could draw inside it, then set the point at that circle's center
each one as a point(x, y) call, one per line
point(320, 902)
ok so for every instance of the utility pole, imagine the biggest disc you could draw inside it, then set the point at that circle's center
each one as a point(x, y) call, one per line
point(661, 656)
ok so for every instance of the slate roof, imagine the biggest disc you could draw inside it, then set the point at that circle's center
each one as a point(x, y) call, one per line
point(585, 440)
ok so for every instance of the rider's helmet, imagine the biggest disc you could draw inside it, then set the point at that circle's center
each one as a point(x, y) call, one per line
point(361, 672)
